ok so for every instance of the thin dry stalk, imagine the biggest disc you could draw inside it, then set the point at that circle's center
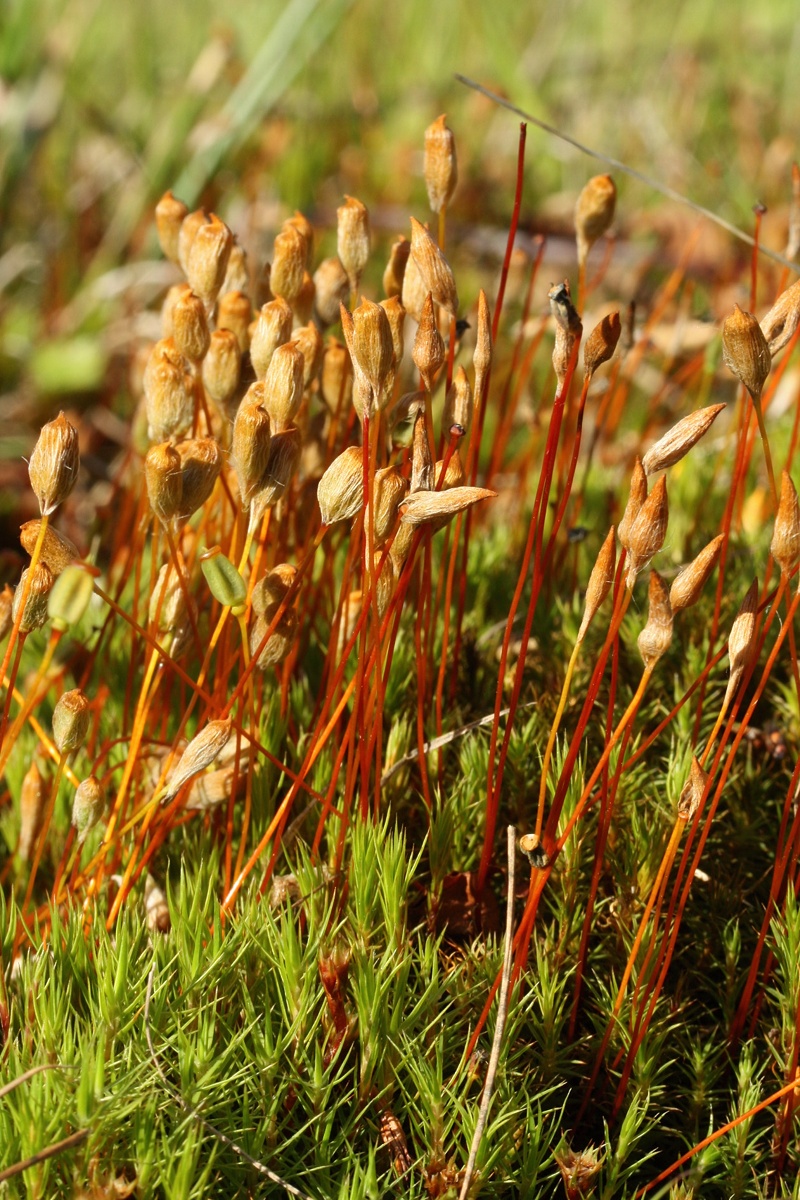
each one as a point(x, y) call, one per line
point(499, 1029)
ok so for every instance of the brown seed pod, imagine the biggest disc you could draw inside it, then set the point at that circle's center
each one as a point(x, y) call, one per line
point(396, 267)
point(440, 167)
point(692, 792)
point(414, 289)
point(57, 551)
point(742, 643)
point(237, 276)
point(190, 326)
point(167, 612)
point(175, 293)
point(283, 386)
point(87, 806)
point(235, 312)
point(405, 408)
point(336, 376)
point(269, 592)
point(429, 350)
point(785, 544)
point(656, 637)
point(422, 479)
point(420, 508)
point(401, 546)
point(482, 355)
point(364, 397)
point(208, 258)
point(648, 531)
point(600, 581)
point(278, 644)
point(170, 215)
point(308, 341)
point(302, 224)
point(396, 315)
point(284, 455)
point(288, 263)
point(162, 472)
point(373, 344)
point(352, 239)
point(35, 612)
point(340, 491)
point(331, 288)
point(199, 754)
point(71, 717)
point(390, 490)
point(745, 350)
point(250, 446)
point(201, 463)
point(54, 464)
point(304, 301)
point(434, 268)
point(31, 810)
point(594, 212)
point(385, 580)
point(601, 343)
point(689, 583)
point(568, 330)
point(188, 232)
point(168, 392)
point(562, 309)
point(221, 369)
point(637, 495)
point(273, 328)
point(211, 789)
point(780, 323)
point(263, 290)
point(680, 439)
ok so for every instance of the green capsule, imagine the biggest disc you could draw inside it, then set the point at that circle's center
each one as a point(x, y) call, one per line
point(225, 582)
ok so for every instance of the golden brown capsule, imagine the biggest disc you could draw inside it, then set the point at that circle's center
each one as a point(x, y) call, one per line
point(745, 350)
point(440, 167)
point(170, 215)
point(594, 212)
point(54, 463)
point(434, 268)
point(680, 439)
point(352, 239)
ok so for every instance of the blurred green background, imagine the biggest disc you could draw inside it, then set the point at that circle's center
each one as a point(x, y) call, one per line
point(277, 105)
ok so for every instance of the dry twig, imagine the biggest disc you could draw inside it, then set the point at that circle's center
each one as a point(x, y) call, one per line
point(502, 1010)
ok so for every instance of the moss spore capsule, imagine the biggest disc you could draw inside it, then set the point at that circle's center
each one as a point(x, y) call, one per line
point(87, 806)
point(71, 717)
point(54, 464)
point(224, 581)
